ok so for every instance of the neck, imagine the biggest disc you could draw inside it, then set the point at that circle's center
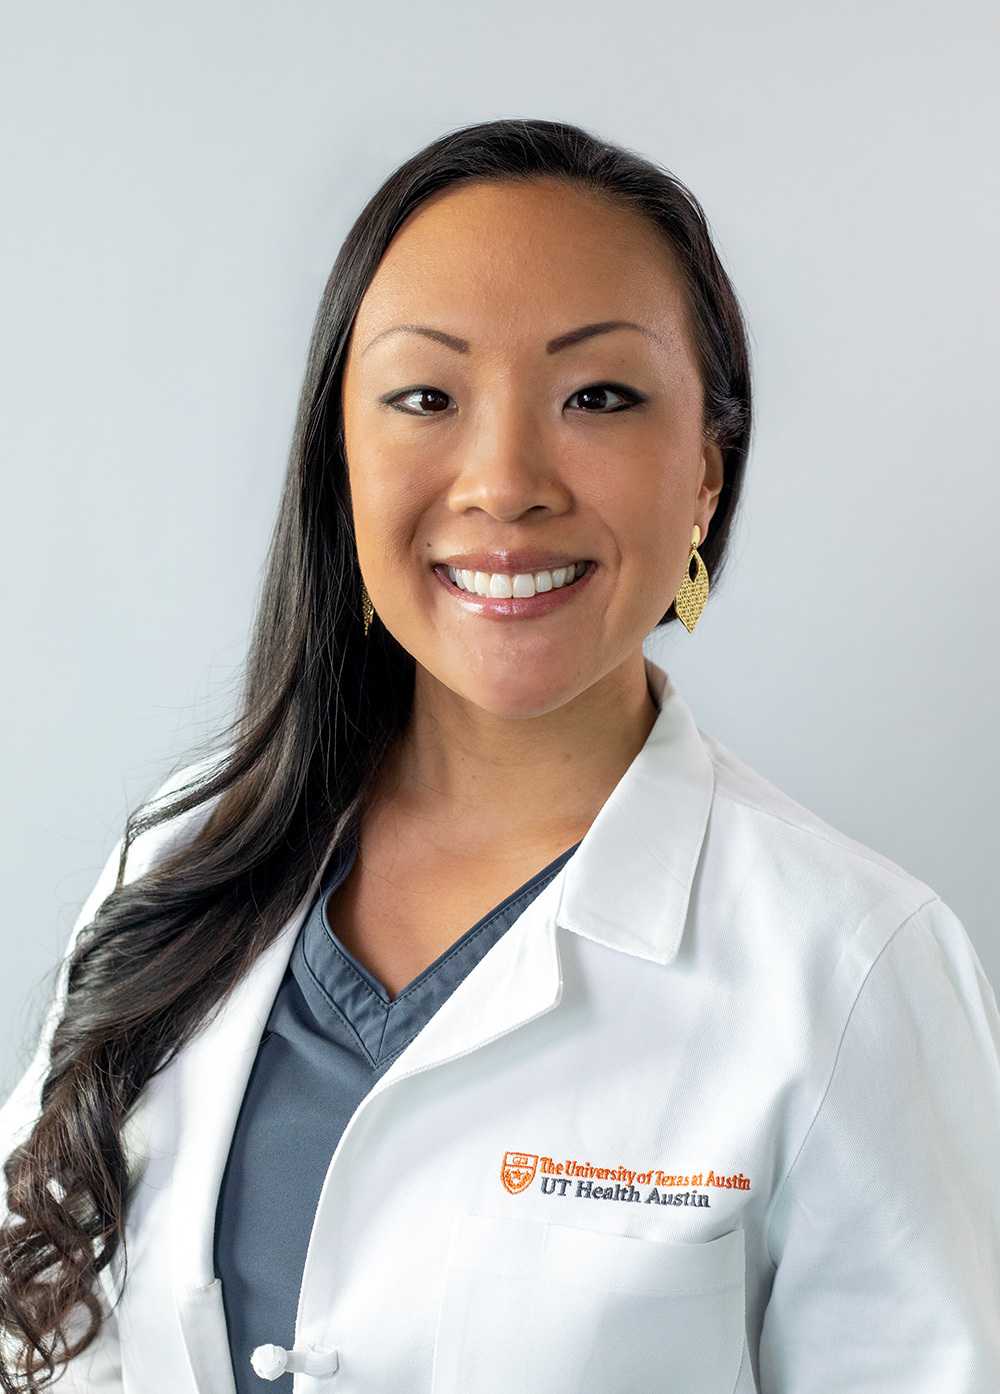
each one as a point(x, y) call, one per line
point(537, 781)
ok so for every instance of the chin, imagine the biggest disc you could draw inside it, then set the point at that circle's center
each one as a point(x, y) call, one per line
point(522, 698)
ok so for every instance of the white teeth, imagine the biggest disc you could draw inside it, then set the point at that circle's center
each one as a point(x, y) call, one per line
point(498, 585)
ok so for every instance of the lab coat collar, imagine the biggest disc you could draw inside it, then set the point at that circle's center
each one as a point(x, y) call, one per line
point(629, 882)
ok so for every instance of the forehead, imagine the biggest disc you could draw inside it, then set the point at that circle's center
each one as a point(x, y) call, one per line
point(509, 255)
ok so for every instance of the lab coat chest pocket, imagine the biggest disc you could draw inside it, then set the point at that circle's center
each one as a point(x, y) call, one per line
point(535, 1307)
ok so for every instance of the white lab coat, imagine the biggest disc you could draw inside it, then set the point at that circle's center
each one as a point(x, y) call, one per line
point(720, 1113)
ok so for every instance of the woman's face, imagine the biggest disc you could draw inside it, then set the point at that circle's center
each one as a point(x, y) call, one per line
point(523, 416)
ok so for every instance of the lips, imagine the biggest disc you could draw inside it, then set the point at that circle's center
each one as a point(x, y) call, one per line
point(516, 592)
point(516, 585)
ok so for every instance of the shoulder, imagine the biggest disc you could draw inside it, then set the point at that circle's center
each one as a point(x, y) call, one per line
point(759, 842)
point(154, 844)
point(792, 847)
point(167, 837)
point(798, 903)
point(146, 850)
point(828, 937)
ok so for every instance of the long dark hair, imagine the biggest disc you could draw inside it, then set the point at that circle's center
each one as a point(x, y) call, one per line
point(322, 706)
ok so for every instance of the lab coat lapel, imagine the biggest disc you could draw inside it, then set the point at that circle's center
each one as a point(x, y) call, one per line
point(212, 1074)
point(629, 883)
point(517, 981)
point(627, 886)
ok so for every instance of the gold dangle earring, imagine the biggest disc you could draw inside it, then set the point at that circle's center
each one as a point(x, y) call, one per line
point(690, 599)
point(367, 609)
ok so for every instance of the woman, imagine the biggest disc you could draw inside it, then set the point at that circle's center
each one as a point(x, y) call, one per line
point(473, 1023)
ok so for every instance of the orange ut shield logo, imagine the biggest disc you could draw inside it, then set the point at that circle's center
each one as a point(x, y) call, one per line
point(518, 1170)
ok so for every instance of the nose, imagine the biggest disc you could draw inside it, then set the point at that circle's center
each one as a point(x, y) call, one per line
point(509, 470)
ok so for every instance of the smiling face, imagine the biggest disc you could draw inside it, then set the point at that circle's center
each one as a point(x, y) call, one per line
point(525, 444)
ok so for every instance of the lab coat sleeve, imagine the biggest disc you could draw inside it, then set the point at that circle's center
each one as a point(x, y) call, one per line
point(886, 1233)
point(22, 1107)
point(98, 1369)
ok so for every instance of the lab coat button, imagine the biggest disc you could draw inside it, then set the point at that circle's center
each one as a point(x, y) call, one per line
point(271, 1362)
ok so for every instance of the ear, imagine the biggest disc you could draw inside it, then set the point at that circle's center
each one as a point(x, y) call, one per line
point(712, 478)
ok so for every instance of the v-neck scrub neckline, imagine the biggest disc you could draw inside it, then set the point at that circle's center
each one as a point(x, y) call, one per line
point(384, 1025)
point(332, 1032)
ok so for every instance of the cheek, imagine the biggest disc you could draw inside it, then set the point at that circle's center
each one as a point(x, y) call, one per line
point(655, 568)
point(389, 498)
point(648, 501)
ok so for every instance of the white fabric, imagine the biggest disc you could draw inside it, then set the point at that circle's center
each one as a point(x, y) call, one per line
point(720, 1001)
point(271, 1362)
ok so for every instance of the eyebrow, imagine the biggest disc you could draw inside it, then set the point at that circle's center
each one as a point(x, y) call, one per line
point(575, 336)
point(588, 331)
point(438, 335)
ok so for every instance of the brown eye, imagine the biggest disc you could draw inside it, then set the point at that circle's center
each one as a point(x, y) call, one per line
point(421, 401)
point(603, 398)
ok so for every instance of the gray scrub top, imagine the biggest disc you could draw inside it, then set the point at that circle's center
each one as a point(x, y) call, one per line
point(332, 1032)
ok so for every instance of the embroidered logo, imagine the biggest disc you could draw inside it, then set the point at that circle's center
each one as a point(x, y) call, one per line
point(571, 1177)
point(518, 1170)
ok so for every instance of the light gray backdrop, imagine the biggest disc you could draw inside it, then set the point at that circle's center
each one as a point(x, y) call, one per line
point(177, 178)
